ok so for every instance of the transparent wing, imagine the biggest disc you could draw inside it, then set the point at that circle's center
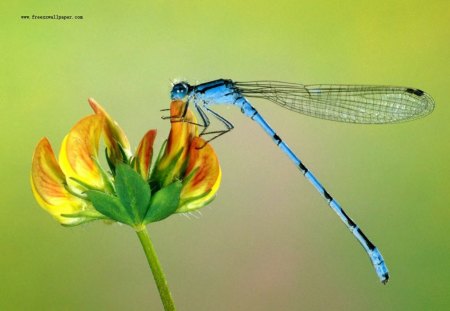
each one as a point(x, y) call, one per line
point(345, 103)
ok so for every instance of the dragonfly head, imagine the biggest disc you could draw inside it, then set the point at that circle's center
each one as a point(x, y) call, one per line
point(180, 90)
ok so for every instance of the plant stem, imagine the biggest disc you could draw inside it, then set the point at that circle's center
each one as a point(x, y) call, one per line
point(156, 268)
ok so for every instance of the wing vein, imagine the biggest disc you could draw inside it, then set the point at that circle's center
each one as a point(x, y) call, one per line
point(344, 103)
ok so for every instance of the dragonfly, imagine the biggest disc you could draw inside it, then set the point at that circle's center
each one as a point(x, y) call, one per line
point(364, 104)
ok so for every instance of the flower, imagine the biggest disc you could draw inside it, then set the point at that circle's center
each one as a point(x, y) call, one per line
point(76, 189)
point(204, 182)
point(53, 183)
point(116, 141)
point(190, 158)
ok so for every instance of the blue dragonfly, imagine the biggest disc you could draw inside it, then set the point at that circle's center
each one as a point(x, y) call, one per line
point(346, 103)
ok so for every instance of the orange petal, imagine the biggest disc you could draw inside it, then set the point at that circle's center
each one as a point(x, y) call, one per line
point(47, 183)
point(182, 130)
point(114, 134)
point(143, 155)
point(201, 188)
point(79, 151)
point(181, 134)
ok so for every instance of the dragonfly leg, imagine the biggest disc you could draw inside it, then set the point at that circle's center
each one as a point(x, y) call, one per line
point(178, 118)
point(207, 122)
point(228, 126)
point(205, 119)
point(182, 117)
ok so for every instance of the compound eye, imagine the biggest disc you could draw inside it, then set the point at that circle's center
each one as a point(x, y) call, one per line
point(180, 90)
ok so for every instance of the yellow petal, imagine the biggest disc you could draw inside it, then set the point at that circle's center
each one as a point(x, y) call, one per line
point(47, 183)
point(202, 186)
point(181, 134)
point(79, 151)
point(113, 134)
point(144, 152)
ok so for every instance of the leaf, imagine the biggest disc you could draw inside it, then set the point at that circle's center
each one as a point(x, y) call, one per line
point(109, 206)
point(133, 192)
point(164, 202)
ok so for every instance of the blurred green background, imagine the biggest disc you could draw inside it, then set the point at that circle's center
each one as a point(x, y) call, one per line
point(268, 241)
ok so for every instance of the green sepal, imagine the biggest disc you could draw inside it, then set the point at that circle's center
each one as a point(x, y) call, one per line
point(161, 151)
point(133, 160)
point(82, 196)
point(111, 165)
point(164, 202)
point(109, 206)
point(188, 178)
point(155, 185)
point(107, 181)
point(83, 184)
point(124, 155)
point(183, 209)
point(162, 177)
point(81, 221)
point(84, 217)
point(88, 213)
point(133, 192)
point(113, 162)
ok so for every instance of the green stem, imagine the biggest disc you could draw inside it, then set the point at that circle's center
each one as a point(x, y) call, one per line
point(155, 266)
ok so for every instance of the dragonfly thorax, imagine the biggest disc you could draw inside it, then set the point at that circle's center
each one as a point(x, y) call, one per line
point(217, 92)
